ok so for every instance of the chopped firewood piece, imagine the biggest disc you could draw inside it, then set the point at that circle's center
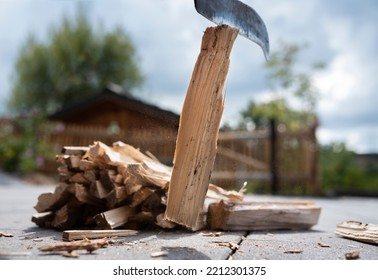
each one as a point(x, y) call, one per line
point(86, 244)
point(149, 173)
point(116, 196)
point(102, 155)
point(43, 219)
point(69, 235)
point(140, 196)
point(91, 175)
point(79, 178)
point(74, 150)
point(83, 195)
point(196, 143)
point(71, 161)
point(358, 231)
point(50, 201)
point(114, 218)
point(86, 165)
point(141, 219)
point(98, 190)
point(130, 152)
point(266, 215)
point(67, 216)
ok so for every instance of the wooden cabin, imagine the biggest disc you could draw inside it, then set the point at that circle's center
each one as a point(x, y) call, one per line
point(109, 108)
point(111, 116)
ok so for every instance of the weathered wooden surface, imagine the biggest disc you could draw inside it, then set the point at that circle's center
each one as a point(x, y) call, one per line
point(267, 215)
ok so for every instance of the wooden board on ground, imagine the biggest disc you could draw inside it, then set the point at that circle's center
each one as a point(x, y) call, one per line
point(268, 215)
point(69, 235)
point(358, 231)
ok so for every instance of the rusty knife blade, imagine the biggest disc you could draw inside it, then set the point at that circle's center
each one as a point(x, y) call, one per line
point(238, 15)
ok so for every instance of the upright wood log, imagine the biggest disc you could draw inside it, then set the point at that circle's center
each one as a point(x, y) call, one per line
point(199, 125)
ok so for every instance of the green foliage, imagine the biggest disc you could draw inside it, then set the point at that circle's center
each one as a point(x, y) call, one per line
point(258, 115)
point(283, 78)
point(20, 148)
point(74, 61)
point(340, 171)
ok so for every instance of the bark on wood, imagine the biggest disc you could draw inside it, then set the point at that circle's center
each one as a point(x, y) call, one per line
point(269, 215)
point(358, 231)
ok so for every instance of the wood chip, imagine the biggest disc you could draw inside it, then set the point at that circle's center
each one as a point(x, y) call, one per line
point(212, 234)
point(37, 239)
point(323, 245)
point(293, 252)
point(158, 254)
point(352, 255)
point(231, 245)
point(4, 234)
point(72, 254)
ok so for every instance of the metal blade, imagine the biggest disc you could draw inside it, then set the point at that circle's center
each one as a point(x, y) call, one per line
point(238, 15)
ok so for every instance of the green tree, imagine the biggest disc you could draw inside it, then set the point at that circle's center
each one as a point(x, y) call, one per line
point(285, 80)
point(75, 60)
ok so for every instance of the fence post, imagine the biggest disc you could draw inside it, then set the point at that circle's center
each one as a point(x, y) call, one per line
point(274, 157)
point(314, 187)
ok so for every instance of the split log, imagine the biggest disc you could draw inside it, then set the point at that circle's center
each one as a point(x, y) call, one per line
point(68, 215)
point(199, 125)
point(358, 231)
point(114, 218)
point(43, 219)
point(50, 201)
point(268, 215)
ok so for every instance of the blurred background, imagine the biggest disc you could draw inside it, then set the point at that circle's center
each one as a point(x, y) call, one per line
point(302, 123)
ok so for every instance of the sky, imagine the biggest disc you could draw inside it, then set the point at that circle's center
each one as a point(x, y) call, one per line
point(167, 35)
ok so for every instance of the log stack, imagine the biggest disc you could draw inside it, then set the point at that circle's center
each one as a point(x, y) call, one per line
point(108, 187)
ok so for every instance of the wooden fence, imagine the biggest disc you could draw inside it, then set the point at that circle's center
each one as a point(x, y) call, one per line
point(269, 160)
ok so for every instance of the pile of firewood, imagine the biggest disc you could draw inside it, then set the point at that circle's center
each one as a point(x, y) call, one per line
point(106, 187)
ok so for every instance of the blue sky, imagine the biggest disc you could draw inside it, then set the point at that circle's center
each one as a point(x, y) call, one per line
point(168, 33)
